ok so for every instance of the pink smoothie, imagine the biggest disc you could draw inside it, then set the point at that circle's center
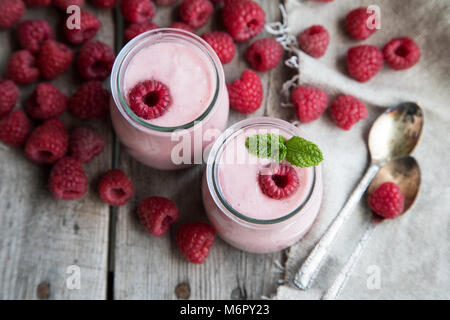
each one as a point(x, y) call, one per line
point(237, 207)
point(195, 78)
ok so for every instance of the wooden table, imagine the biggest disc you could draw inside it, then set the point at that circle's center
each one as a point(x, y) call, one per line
point(40, 237)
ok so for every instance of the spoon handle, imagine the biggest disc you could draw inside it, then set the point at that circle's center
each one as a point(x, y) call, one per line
point(310, 268)
point(341, 279)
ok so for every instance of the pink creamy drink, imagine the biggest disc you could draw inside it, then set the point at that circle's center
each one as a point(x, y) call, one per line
point(199, 107)
point(241, 212)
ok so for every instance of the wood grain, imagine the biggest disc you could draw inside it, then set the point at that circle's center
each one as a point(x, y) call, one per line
point(151, 268)
point(40, 236)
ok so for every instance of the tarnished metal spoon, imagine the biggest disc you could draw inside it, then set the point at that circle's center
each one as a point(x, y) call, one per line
point(393, 135)
point(405, 172)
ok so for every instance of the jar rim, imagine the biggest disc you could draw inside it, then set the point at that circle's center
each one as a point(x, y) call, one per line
point(132, 46)
point(211, 169)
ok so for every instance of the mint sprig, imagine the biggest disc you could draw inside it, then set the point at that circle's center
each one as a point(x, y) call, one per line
point(297, 151)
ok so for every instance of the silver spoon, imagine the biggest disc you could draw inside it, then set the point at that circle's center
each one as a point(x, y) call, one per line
point(405, 172)
point(393, 135)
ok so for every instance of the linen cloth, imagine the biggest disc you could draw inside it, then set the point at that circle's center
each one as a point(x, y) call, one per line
point(412, 253)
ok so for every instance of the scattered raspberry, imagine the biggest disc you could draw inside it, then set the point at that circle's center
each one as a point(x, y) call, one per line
point(95, 60)
point(387, 200)
point(246, 93)
point(164, 2)
point(157, 214)
point(90, 101)
point(222, 43)
point(10, 12)
point(32, 33)
point(264, 54)
point(85, 144)
point(54, 58)
point(136, 29)
point(149, 99)
point(9, 94)
point(314, 40)
point(21, 67)
point(346, 110)
point(104, 3)
point(243, 19)
point(280, 183)
point(182, 26)
point(14, 128)
point(196, 13)
point(364, 62)
point(63, 4)
point(115, 187)
point(46, 102)
point(194, 241)
point(67, 179)
point(136, 11)
point(356, 23)
point(309, 102)
point(401, 53)
point(48, 142)
point(89, 25)
point(37, 3)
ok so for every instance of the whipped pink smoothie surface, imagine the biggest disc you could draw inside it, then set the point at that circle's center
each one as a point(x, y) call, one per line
point(187, 72)
point(238, 172)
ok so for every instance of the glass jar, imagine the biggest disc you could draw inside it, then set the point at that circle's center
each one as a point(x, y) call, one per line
point(245, 231)
point(156, 145)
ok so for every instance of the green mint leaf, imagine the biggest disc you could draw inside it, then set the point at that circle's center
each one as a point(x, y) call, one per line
point(303, 153)
point(267, 146)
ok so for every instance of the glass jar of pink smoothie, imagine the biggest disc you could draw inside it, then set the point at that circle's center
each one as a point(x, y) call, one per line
point(191, 70)
point(242, 214)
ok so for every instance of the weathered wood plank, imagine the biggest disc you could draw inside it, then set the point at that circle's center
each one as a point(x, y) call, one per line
point(40, 236)
point(150, 268)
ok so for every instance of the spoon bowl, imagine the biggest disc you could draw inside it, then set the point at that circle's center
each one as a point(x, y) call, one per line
point(396, 132)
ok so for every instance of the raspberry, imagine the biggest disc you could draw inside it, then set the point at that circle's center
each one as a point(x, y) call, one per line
point(364, 62)
point(194, 241)
point(90, 101)
point(95, 60)
point(85, 144)
point(115, 187)
point(136, 29)
point(157, 214)
point(280, 183)
point(309, 102)
point(10, 12)
point(54, 58)
point(387, 200)
point(21, 67)
point(32, 33)
point(243, 19)
point(9, 94)
point(67, 179)
point(48, 142)
point(346, 110)
point(356, 23)
point(264, 54)
point(182, 26)
point(401, 53)
point(89, 25)
point(164, 2)
point(314, 40)
point(246, 93)
point(37, 3)
point(149, 99)
point(196, 13)
point(14, 128)
point(105, 3)
point(136, 11)
point(46, 102)
point(63, 4)
point(222, 43)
